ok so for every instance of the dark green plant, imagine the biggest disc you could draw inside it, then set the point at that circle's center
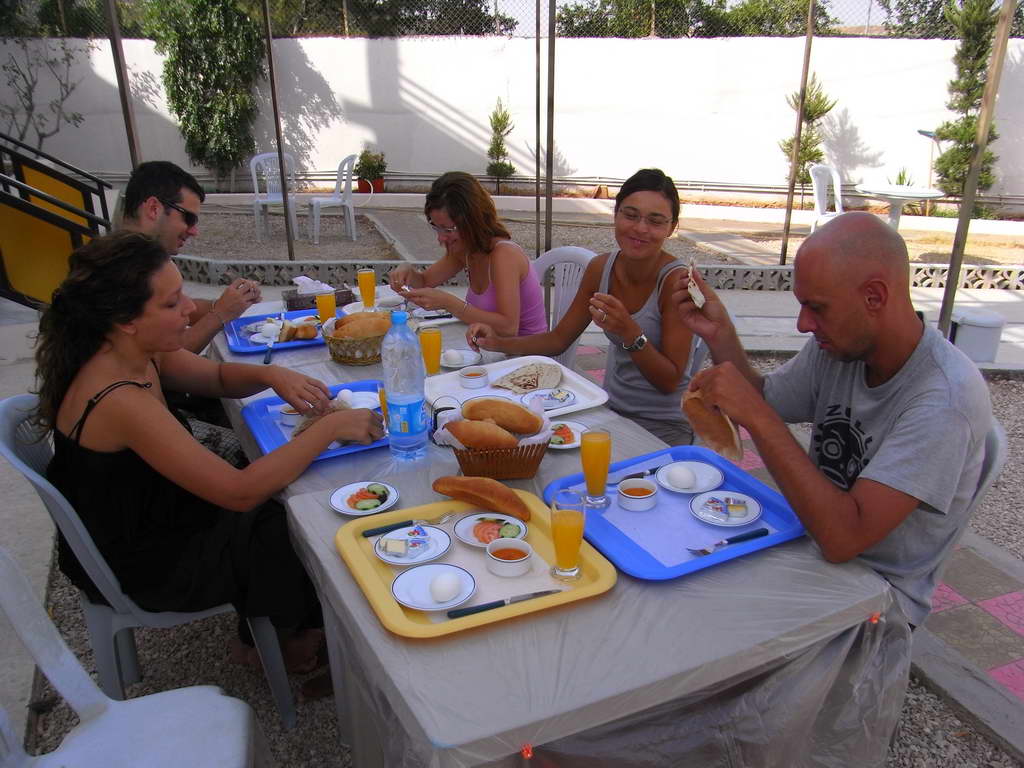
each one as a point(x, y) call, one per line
point(370, 165)
point(501, 126)
point(214, 57)
point(641, 18)
point(777, 18)
point(817, 104)
point(904, 179)
point(975, 22)
point(927, 18)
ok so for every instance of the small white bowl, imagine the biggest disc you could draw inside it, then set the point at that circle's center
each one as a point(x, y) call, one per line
point(474, 377)
point(509, 568)
point(289, 416)
point(641, 502)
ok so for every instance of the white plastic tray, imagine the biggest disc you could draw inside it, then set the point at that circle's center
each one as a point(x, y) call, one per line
point(588, 394)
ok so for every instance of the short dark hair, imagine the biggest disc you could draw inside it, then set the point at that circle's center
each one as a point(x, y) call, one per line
point(160, 179)
point(470, 207)
point(650, 180)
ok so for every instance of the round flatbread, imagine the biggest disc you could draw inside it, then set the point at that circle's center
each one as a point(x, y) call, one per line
point(713, 427)
point(529, 378)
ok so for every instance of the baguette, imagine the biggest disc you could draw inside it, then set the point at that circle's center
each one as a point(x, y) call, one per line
point(481, 434)
point(506, 414)
point(485, 493)
point(714, 428)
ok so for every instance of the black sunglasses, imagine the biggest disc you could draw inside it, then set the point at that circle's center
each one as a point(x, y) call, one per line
point(191, 219)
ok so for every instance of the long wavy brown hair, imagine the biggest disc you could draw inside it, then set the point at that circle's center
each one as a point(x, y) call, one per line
point(109, 282)
point(470, 207)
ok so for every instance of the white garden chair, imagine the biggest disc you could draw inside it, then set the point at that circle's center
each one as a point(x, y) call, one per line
point(196, 726)
point(267, 168)
point(342, 197)
point(569, 263)
point(821, 177)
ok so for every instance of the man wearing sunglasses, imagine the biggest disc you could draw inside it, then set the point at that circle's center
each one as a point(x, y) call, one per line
point(162, 201)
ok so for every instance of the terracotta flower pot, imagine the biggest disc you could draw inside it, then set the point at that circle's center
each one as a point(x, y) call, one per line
point(364, 185)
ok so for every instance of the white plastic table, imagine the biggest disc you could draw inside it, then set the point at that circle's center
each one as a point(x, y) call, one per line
point(898, 196)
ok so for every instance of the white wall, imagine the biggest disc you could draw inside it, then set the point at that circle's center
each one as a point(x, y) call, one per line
point(700, 109)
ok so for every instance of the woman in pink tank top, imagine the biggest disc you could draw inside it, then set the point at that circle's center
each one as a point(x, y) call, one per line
point(503, 290)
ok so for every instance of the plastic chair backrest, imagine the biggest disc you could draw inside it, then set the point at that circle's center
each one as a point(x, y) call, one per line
point(569, 262)
point(266, 165)
point(21, 446)
point(44, 643)
point(821, 177)
point(345, 179)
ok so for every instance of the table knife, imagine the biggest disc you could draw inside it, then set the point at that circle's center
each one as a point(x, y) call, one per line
point(637, 475)
point(270, 344)
point(457, 612)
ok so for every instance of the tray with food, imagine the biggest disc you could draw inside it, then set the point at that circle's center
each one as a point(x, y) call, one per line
point(473, 554)
point(273, 422)
point(681, 510)
point(560, 389)
point(251, 333)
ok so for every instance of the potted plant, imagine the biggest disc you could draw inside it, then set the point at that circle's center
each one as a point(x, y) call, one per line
point(369, 170)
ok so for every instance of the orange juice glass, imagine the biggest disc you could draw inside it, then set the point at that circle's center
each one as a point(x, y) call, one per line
point(596, 455)
point(567, 520)
point(383, 403)
point(430, 346)
point(326, 306)
point(367, 279)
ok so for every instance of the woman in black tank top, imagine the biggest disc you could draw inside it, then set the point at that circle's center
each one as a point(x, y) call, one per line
point(181, 528)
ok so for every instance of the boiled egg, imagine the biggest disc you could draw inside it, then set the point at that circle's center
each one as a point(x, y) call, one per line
point(452, 357)
point(681, 477)
point(444, 587)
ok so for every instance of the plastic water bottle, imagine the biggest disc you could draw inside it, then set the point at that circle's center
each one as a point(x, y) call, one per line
point(403, 387)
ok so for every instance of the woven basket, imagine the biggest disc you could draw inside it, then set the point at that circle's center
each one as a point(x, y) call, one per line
point(502, 463)
point(352, 351)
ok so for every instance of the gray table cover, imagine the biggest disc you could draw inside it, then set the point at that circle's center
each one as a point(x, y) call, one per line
point(775, 659)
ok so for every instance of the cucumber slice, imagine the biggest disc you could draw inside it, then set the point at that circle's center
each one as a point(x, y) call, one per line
point(367, 503)
point(509, 531)
point(378, 490)
point(557, 440)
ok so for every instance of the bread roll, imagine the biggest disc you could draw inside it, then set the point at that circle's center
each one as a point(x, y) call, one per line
point(481, 434)
point(362, 325)
point(713, 427)
point(485, 493)
point(512, 416)
point(305, 331)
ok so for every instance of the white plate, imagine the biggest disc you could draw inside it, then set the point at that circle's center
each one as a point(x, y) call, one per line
point(469, 357)
point(438, 542)
point(339, 499)
point(559, 397)
point(702, 511)
point(708, 476)
point(411, 588)
point(576, 427)
point(463, 528)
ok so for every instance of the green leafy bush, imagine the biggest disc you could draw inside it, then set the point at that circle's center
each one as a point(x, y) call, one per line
point(370, 165)
point(501, 126)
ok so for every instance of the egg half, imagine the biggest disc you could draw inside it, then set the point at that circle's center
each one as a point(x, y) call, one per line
point(681, 477)
point(444, 587)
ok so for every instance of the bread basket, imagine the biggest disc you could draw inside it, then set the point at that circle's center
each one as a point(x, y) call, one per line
point(352, 351)
point(502, 463)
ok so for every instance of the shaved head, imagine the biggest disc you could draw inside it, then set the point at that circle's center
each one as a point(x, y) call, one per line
point(859, 246)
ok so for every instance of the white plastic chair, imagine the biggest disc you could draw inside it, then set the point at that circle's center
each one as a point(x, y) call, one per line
point(196, 726)
point(821, 177)
point(342, 196)
point(267, 167)
point(110, 626)
point(569, 262)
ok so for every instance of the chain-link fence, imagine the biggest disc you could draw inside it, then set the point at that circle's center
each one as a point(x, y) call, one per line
point(574, 18)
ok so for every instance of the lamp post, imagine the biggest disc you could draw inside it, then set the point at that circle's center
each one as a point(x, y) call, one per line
point(931, 154)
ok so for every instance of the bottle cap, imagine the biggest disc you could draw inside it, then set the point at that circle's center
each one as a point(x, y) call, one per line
point(399, 317)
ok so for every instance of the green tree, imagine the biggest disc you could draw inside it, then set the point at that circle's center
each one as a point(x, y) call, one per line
point(501, 126)
point(641, 18)
point(975, 22)
point(817, 104)
point(927, 18)
point(777, 18)
point(214, 56)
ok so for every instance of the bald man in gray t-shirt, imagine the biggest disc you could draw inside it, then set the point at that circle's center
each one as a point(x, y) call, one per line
point(899, 415)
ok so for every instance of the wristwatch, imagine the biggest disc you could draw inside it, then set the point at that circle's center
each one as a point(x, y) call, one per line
point(639, 343)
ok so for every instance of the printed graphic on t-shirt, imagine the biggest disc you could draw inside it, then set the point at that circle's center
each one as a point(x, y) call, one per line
point(841, 444)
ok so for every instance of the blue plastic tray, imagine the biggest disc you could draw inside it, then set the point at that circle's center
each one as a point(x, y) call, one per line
point(630, 557)
point(239, 343)
point(261, 416)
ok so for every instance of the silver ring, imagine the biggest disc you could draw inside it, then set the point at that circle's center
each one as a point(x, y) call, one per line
point(604, 315)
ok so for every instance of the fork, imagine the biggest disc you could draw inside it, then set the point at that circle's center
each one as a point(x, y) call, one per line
point(395, 526)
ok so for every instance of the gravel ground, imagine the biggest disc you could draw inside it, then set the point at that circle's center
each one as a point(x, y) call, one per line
point(932, 247)
point(930, 734)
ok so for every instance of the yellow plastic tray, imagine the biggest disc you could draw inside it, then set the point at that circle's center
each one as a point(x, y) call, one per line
point(375, 576)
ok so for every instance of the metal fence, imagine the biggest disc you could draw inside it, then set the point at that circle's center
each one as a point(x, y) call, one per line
point(574, 18)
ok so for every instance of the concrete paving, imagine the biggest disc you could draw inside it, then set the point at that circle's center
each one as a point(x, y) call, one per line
point(989, 689)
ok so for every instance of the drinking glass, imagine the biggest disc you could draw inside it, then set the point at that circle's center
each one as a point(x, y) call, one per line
point(596, 455)
point(430, 346)
point(367, 279)
point(567, 532)
point(326, 306)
